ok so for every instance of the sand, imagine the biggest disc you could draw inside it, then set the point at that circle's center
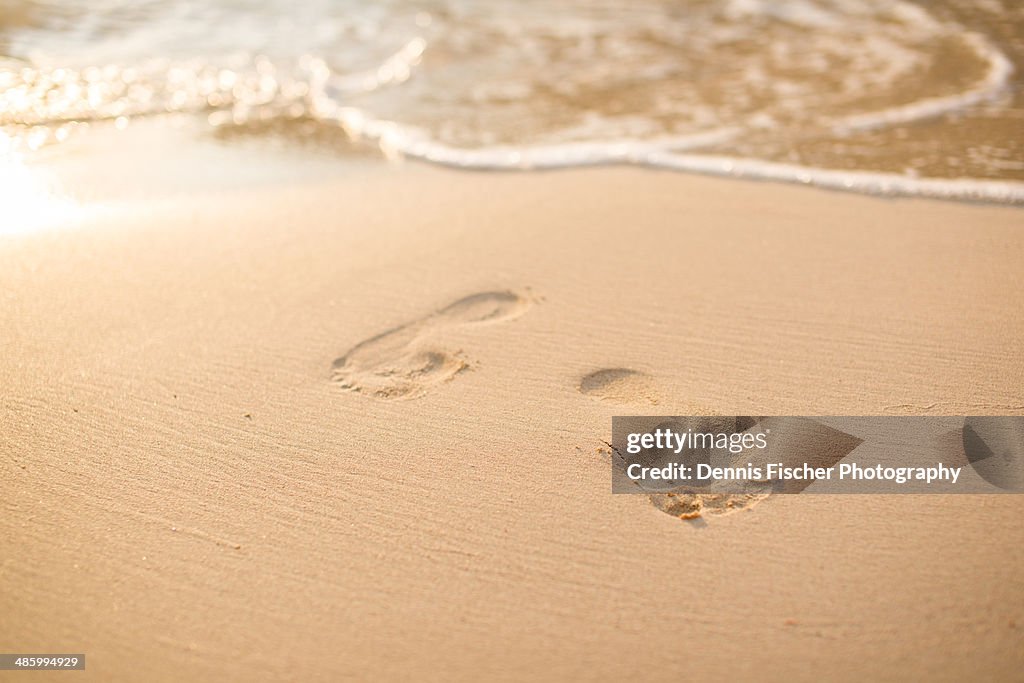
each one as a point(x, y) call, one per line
point(354, 428)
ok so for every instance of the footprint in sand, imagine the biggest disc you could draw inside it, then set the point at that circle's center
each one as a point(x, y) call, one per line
point(401, 363)
point(697, 505)
point(627, 387)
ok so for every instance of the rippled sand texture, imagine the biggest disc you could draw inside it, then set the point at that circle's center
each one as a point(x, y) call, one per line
point(898, 97)
point(348, 429)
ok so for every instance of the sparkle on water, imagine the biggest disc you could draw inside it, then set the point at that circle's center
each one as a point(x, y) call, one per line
point(860, 95)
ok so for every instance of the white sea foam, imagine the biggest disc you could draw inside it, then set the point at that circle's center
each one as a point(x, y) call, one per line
point(993, 84)
point(528, 84)
point(669, 154)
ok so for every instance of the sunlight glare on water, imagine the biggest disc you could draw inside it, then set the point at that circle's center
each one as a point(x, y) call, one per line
point(886, 96)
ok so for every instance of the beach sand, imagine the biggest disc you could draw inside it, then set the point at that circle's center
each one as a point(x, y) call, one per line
point(350, 428)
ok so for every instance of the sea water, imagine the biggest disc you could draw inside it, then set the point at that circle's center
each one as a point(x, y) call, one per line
point(879, 96)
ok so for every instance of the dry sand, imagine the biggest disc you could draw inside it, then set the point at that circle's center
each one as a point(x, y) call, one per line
point(351, 429)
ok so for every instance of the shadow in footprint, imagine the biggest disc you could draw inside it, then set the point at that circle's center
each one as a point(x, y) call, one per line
point(400, 363)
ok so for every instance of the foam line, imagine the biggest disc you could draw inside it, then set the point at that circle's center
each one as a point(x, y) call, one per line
point(669, 153)
point(995, 82)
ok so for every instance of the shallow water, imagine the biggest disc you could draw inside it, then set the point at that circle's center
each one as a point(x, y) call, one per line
point(870, 95)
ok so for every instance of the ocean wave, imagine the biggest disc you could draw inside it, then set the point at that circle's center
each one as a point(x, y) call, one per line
point(526, 86)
